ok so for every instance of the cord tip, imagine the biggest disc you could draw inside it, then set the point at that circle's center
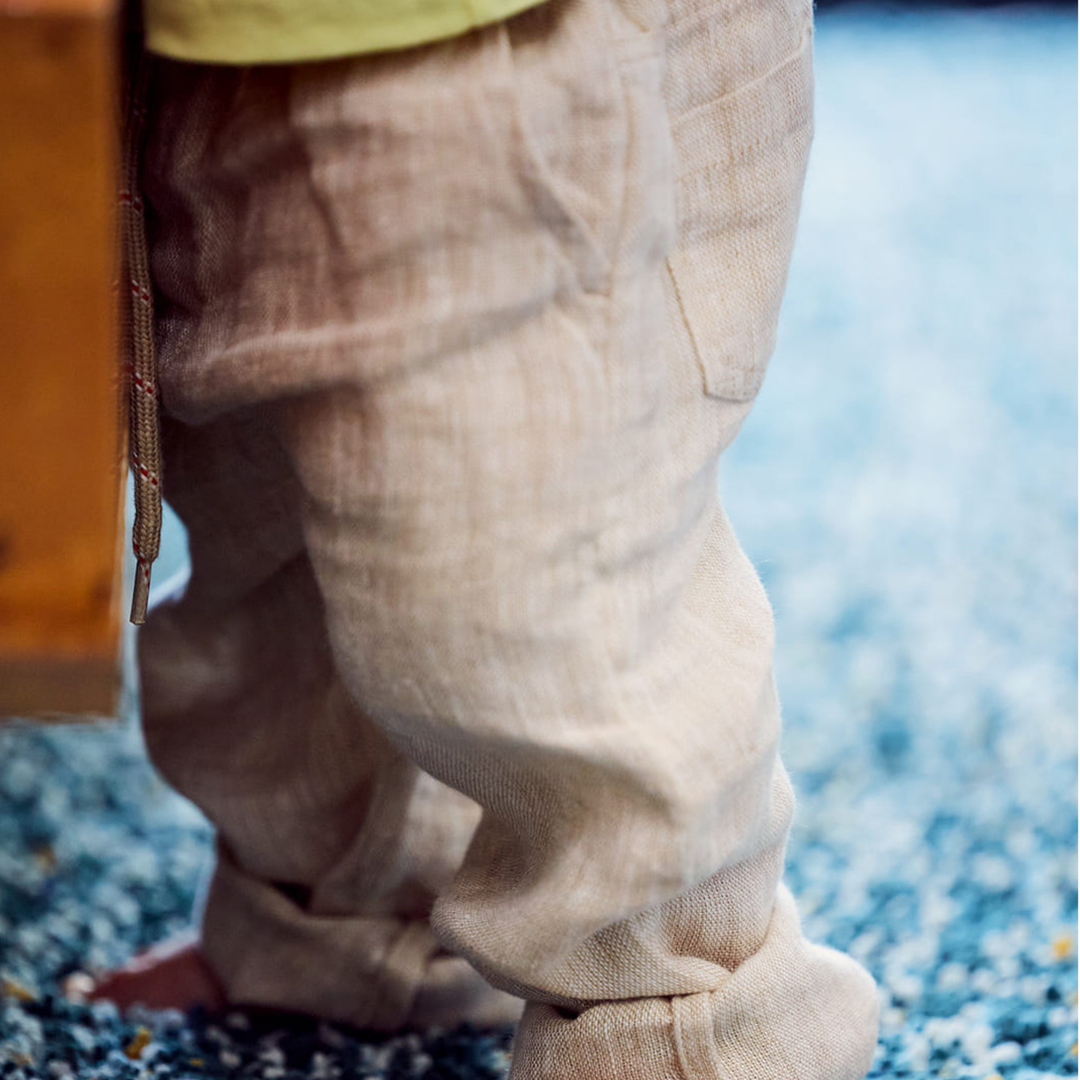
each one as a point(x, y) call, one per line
point(141, 593)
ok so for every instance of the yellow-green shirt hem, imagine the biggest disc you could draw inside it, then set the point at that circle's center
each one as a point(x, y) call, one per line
point(293, 31)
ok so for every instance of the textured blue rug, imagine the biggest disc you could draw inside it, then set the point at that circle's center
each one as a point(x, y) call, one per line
point(906, 486)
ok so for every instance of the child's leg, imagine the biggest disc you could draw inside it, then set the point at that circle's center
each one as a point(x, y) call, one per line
point(442, 276)
point(332, 846)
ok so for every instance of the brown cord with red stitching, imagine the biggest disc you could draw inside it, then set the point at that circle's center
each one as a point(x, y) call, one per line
point(141, 363)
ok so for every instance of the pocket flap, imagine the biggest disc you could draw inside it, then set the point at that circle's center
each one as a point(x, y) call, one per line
point(741, 160)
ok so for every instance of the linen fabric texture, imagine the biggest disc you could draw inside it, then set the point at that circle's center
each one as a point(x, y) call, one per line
point(471, 674)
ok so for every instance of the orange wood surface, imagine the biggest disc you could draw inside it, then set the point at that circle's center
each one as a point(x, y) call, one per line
point(60, 442)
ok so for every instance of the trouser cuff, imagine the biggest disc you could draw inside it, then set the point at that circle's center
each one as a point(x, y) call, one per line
point(378, 972)
point(792, 1011)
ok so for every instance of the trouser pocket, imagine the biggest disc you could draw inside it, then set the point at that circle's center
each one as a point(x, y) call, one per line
point(740, 91)
point(570, 128)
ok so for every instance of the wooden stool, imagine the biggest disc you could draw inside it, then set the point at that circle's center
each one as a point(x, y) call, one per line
point(62, 426)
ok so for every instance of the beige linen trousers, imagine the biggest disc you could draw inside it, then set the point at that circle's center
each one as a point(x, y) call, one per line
point(471, 674)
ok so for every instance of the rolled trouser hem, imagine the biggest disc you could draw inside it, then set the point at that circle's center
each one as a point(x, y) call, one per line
point(792, 1011)
point(377, 972)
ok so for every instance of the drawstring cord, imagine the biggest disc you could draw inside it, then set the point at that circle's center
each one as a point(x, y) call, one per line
point(140, 364)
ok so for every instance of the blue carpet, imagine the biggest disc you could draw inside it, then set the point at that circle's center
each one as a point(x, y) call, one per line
point(907, 488)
